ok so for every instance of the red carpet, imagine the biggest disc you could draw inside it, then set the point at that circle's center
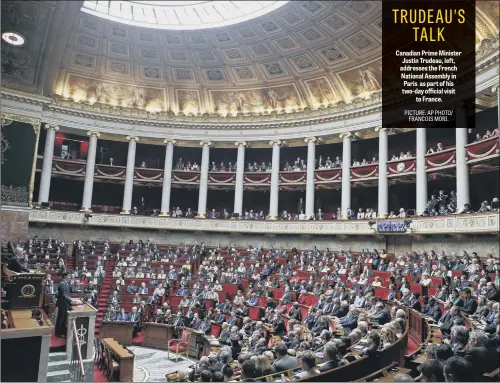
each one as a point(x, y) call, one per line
point(57, 344)
point(137, 341)
point(98, 375)
point(412, 346)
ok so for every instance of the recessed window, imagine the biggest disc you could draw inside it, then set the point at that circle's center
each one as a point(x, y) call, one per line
point(179, 14)
point(13, 38)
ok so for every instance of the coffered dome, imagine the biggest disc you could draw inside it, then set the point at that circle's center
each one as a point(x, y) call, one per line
point(270, 58)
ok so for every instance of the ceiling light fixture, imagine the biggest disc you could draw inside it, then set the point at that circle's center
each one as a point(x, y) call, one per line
point(13, 38)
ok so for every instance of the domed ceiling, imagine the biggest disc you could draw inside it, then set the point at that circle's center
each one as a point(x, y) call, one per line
point(300, 54)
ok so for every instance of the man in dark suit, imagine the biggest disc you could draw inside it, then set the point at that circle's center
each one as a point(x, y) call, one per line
point(320, 325)
point(448, 322)
point(14, 263)
point(283, 360)
point(295, 312)
point(225, 334)
point(132, 288)
point(114, 298)
point(179, 320)
point(492, 293)
point(481, 354)
point(292, 341)
point(433, 309)
point(135, 318)
point(330, 356)
point(470, 304)
point(381, 316)
point(350, 321)
point(63, 304)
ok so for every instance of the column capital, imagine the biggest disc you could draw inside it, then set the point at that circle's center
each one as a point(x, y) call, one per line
point(277, 142)
point(206, 143)
point(316, 140)
point(346, 135)
point(381, 129)
point(130, 138)
point(55, 127)
point(93, 133)
point(241, 143)
point(169, 141)
point(495, 89)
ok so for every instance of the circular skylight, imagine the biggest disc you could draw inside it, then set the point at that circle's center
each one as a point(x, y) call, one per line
point(13, 38)
point(187, 15)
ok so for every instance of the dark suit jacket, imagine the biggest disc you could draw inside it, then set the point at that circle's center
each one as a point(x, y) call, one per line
point(470, 306)
point(280, 327)
point(382, 317)
point(493, 295)
point(15, 265)
point(330, 365)
point(285, 363)
point(484, 359)
point(371, 351)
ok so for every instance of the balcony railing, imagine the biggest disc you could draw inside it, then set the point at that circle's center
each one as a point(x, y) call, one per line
point(485, 152)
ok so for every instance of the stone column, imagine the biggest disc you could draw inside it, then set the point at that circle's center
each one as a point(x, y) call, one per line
point(311, 165)
point(496, 89)
point(383, 181)
point(129, 175)
point(346, 174)
point(275, 180)
point(240, 169)
point(463, 196)
point(205, 162)
point(88, 186)
point(48, 156)
point(421, 176)
point(167, 178)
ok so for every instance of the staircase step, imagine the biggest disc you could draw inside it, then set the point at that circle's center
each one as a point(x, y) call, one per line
point(58, 366)
point(58, 376)
point(57, 356)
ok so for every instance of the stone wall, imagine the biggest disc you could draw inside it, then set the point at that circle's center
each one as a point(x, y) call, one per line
point(398, 244)
point(14, 224)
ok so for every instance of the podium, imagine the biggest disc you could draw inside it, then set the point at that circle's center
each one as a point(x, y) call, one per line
point(81, 322)
point(24, 290)
point(196, 342)
point(121, 331)
point(156, 335)
point(26, 340)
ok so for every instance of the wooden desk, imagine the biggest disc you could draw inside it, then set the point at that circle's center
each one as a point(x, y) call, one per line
point(124, 357)
point(156, 335)
point(420, 359)
point(121, 331)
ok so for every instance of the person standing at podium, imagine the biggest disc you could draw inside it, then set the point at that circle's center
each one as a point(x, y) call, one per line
point(63, 303)
point(15, 264)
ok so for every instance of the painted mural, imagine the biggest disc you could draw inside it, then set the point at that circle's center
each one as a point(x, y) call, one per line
point(321, 91)
point(189, 101)
point(280, 97)
point(364, 79)
point(129, 96)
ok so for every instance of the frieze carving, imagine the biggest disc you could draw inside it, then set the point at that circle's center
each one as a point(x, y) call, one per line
point(481, 223)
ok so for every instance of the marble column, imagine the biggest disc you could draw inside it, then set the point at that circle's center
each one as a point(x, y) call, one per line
point(311, 165)
point(205, 162)
point(167, 178)
point(88, 186)
point(463, 196)
point(129, 175)
point(346, 174)
point(383, 181)
point(275, 180)
point(496, 89)
point(240, 169)
point(421, 176)
point(48, 156)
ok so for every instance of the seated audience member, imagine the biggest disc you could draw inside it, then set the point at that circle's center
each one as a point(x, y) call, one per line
point(308, 365)
point(330, 358)
point(431, 370)
point(481, 353)
point(402, 378)
point(373, 349)
point(458, 369)
point(283, 360)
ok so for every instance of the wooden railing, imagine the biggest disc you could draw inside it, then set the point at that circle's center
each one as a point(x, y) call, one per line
point(76, 365)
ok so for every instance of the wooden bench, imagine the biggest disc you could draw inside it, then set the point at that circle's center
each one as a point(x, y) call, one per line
point(124, 358)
